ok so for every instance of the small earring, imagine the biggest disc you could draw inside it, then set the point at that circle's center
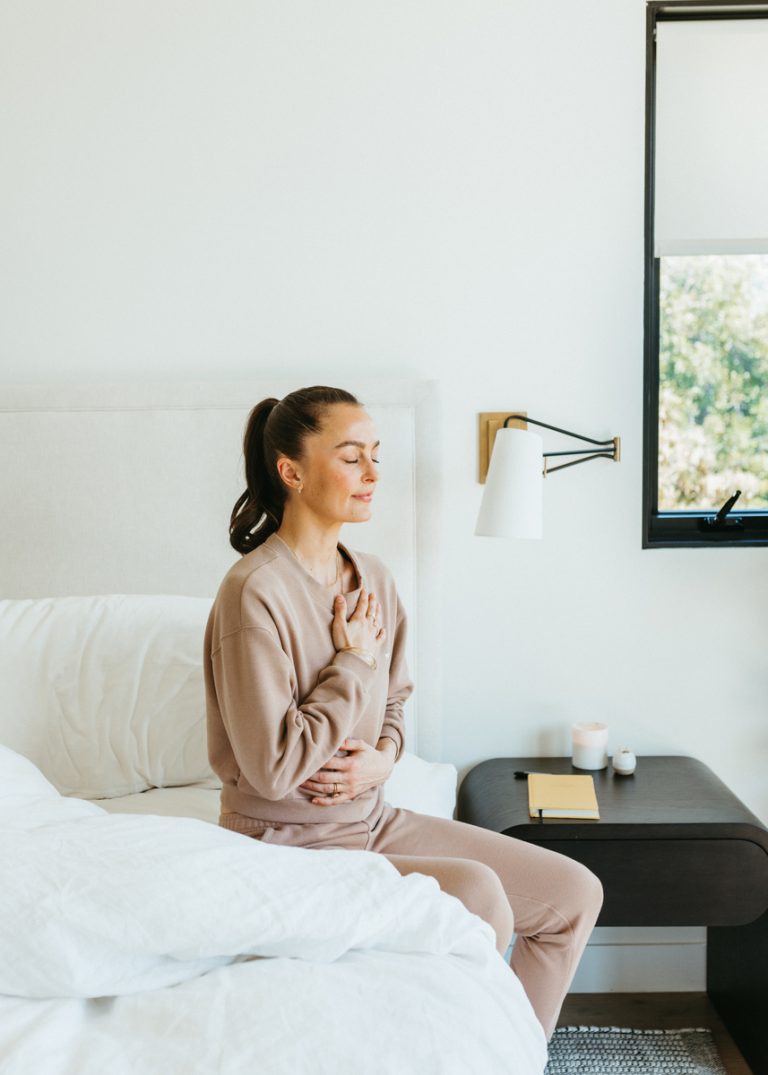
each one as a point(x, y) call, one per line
point(300, 487)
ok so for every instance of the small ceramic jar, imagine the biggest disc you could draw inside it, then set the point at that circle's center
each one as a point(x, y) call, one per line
point(624, 762)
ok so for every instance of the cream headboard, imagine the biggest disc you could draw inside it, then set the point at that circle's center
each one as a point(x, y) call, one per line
point(118, 488)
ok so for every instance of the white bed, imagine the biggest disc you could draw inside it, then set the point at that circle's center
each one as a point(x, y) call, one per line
point(161, 943)
point(131, 944)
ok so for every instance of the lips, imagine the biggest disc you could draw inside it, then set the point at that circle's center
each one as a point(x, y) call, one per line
point(366, 497)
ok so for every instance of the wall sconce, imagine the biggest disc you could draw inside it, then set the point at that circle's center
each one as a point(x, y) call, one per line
point(512, 465)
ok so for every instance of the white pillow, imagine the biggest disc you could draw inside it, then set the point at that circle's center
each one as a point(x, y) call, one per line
point(105, 694)
point(428, 787)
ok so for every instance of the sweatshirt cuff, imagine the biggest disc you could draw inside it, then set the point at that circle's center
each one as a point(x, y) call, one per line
point(357, 665)
point(389, 731)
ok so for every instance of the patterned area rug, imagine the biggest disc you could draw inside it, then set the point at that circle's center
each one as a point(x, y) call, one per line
point(611, 1050)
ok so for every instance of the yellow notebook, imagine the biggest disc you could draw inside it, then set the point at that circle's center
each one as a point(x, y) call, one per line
point(556, 795)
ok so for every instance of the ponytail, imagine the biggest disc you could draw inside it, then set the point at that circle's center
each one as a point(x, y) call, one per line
point(258, 511)
point(275, 427)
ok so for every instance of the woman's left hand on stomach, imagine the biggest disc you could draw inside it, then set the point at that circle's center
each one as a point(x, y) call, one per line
point(361, 768)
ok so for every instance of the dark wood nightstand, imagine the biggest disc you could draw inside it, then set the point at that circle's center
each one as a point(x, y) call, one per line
point(673, 847)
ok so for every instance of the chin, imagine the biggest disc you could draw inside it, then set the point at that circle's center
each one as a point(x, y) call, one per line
point(360, 513)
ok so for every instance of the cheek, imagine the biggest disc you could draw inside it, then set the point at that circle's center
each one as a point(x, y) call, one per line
point(345, 481)
point(337, 483)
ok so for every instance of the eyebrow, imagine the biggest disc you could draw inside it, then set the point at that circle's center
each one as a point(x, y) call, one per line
point(356, 443)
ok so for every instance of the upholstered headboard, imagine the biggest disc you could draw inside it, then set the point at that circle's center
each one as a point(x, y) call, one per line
point(117, 488)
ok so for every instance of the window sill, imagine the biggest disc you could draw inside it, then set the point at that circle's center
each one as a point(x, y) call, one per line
point(683, 530)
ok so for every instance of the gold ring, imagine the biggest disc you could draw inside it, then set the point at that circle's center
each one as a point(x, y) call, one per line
point(335, 789)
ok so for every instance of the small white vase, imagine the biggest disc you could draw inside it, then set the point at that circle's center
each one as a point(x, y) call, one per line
point(624, 762)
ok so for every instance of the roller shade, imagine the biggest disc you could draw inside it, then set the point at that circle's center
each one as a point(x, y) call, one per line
point(711, 182)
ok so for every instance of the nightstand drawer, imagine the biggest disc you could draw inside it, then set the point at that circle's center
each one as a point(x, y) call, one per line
point(674, 882)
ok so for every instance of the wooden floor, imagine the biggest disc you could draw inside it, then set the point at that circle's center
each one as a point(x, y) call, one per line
point(648, 1011)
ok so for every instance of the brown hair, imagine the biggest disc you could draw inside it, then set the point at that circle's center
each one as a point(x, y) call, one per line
point(275, 427)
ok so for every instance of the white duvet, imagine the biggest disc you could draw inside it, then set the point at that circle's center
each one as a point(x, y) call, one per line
point(135, 945)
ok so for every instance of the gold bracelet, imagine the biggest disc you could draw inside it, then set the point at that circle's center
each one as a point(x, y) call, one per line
point(364, 655)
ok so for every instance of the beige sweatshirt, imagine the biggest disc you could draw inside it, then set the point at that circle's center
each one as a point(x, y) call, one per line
point(280, 700)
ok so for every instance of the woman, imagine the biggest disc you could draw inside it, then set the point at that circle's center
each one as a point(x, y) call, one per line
point(306, 678)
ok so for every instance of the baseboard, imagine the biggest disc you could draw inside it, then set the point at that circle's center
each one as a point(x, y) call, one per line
point(643, 960)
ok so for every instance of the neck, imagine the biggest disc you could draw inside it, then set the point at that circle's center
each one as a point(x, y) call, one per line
point(312, 541)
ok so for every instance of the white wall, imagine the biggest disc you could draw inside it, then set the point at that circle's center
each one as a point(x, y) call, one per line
point(444, 189)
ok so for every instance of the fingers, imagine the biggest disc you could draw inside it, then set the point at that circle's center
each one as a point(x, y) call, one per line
point(335, 765)
point(366, 603)
point(363, 627)
point(379, 630)
point(334, 770)
point(361, 608)
point(373, 609)
point(340, 774)
point(324, 794)
point(330, 772)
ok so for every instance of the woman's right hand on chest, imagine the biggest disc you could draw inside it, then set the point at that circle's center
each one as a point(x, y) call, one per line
point(363, 628)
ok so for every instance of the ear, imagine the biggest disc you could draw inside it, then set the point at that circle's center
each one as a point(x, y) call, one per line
point(289, 475)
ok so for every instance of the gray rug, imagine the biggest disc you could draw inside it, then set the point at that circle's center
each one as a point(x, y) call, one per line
point(611, 1050)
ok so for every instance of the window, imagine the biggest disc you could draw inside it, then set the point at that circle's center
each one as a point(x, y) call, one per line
point(706, 275)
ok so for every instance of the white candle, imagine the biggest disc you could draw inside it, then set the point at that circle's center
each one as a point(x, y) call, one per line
point(590, 746)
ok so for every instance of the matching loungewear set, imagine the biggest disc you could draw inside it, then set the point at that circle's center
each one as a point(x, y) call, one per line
point(281, 700)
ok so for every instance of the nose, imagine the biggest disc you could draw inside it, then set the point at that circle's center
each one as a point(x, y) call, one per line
point(371, 474)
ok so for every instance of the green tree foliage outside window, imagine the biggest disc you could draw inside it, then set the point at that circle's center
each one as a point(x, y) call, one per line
point(713, 382)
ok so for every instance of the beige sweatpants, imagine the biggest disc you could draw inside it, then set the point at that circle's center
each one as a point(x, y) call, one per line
point(549, 901)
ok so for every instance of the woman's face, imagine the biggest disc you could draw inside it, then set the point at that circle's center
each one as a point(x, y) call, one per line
point(339, 467)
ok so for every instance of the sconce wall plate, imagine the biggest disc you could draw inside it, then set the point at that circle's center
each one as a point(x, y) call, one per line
point(490, 422)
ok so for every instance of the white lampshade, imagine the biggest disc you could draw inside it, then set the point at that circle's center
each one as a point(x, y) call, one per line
point(512, 504)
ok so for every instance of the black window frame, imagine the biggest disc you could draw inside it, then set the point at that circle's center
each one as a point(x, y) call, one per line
point(680, 529)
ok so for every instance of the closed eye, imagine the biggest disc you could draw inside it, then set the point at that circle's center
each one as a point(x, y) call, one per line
point(376, 461)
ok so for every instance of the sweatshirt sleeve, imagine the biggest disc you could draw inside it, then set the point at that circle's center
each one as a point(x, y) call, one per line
point(400, 686)
point(277, 743)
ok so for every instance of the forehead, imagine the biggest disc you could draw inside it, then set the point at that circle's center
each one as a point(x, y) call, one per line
point(345, 422)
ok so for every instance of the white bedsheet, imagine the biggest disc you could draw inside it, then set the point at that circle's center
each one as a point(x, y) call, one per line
point(151, 944)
